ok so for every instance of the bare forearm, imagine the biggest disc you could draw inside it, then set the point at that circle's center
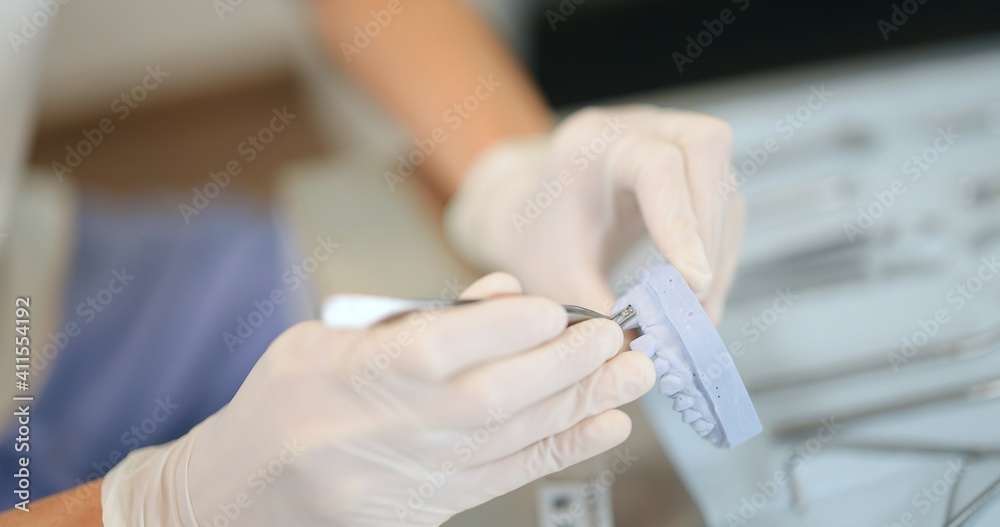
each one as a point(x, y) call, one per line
point(80, 506)
point(428, 58)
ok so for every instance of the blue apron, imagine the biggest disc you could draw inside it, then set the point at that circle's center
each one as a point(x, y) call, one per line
point(162, 321)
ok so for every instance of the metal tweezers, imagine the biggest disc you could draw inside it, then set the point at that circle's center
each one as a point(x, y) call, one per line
point(366, 310)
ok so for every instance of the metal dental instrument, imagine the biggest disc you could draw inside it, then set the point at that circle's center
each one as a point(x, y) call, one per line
point(967, 347)
point(978, 392)
point(983, 499)
point(970, 452)
point(356, 311)
point(949, 511)
point(951, 518)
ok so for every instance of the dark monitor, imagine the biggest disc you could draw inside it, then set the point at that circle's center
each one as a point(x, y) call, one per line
point(589, 49)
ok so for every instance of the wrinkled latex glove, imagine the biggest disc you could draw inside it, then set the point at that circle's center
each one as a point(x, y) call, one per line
point(558, 210)
point(408, 422)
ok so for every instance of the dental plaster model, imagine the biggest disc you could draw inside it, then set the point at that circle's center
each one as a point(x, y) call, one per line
point(693, 366)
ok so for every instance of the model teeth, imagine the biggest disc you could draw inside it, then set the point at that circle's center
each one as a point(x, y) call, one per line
point(690, 416)
point(702, 427)
point(645, 344)
point(662, 366)
point(676, 381)
point(671, 384)
point(683, 402)
point(690, 404)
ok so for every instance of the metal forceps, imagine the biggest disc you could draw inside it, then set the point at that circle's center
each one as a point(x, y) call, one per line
point(357, 311)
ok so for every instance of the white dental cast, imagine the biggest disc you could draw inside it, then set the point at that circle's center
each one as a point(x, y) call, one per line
point(692, 363)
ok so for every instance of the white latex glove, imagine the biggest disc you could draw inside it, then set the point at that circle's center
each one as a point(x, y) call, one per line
point(558, 210)
point(330, 429)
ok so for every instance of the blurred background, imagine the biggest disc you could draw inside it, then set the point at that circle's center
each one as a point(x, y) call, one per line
point(867, 137)
point(580, 51)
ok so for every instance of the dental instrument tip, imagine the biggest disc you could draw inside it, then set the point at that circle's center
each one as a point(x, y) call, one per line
point(624, 315)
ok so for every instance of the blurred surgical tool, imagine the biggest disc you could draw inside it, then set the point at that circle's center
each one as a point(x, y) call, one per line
point(967, 347)
point(977, 392)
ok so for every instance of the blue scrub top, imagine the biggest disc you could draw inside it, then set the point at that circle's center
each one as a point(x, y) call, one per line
point(171, 317)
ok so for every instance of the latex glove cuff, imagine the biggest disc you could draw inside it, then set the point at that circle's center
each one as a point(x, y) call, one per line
point(510, 167)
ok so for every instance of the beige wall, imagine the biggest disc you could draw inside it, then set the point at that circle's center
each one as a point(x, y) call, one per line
point(97, 48)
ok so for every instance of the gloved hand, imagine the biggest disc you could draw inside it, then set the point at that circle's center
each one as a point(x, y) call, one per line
point(557, 210)
point(410, 421)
